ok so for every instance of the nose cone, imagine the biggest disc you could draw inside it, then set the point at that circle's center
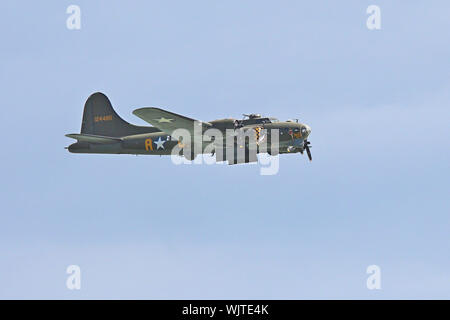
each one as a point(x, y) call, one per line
point(306, 130)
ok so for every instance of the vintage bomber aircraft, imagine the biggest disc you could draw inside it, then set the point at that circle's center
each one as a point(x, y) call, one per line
point(103, 131)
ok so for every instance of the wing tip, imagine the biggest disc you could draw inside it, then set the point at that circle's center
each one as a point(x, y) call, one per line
point(140, 110)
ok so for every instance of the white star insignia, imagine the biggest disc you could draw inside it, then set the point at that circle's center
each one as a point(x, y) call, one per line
point(162, 119)
point(159, 143)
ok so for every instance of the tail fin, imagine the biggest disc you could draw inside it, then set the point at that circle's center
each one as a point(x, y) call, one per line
point(99, 118)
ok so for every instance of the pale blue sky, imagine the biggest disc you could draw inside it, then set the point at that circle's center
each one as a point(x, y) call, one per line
point(377, 191)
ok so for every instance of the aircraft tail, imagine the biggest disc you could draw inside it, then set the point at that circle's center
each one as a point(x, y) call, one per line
point(99, 118)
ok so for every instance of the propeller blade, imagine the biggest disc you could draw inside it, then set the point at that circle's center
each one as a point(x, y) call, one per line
point(308, 151)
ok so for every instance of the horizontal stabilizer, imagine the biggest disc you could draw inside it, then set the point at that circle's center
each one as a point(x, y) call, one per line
point(93, 138)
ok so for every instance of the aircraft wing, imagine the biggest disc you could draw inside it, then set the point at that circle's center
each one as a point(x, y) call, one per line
point(168, 121)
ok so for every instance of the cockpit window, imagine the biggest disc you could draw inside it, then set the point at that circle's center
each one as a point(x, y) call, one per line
point(274, 120)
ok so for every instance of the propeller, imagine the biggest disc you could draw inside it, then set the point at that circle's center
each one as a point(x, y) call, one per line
point(306, 147)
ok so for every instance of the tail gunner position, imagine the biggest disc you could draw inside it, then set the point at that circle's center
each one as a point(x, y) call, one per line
point(104, 131)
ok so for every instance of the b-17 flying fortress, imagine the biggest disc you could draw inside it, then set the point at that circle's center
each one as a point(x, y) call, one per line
point(232, 140)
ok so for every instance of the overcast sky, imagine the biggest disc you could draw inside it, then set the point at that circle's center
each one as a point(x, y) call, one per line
point(377, 191)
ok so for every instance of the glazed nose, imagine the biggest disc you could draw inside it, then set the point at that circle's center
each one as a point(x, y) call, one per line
point(306, 130)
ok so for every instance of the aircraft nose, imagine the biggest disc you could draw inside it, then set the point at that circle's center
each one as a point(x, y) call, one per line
point(306, 130)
